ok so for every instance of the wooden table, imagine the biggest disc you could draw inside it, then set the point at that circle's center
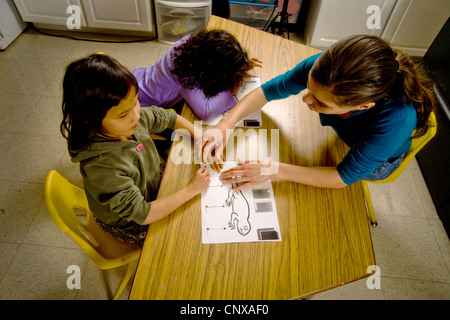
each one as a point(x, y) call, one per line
point(325, 233)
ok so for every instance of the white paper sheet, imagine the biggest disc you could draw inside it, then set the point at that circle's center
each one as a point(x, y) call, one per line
point(248, 215)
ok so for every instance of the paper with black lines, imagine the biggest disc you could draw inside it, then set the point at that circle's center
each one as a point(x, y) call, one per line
point(247, 215)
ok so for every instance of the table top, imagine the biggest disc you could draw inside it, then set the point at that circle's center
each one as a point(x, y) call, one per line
point(325, 233)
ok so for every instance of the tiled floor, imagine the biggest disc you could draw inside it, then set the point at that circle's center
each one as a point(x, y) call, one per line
point(411, 246)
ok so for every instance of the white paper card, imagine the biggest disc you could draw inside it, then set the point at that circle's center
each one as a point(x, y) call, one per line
point(249, 215)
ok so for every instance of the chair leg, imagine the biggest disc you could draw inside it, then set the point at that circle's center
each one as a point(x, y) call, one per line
point(124, 282)
point(373, 219)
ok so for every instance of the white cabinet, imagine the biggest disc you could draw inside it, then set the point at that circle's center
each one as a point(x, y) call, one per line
point(332, 20)
point(410, 25)
point(119, 14)
point(47, 11)
point(95, 15)
point(414, 24)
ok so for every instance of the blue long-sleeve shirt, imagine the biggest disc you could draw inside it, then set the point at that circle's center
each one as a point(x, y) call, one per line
point(374, 135)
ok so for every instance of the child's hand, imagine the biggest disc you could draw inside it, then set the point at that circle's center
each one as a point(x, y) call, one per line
point(200, 181)
point(256, 63)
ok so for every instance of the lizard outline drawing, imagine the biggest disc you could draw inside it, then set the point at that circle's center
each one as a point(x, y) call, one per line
point(240, 214)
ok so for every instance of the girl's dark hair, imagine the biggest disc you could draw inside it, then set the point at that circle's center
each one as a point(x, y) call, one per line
point(362, 69)
point(213, 61)
point(91, 87)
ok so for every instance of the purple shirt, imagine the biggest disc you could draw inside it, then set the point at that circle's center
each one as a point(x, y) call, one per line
point(158, 86)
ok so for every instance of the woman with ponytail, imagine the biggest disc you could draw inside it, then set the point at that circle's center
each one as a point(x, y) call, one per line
point(372, 95)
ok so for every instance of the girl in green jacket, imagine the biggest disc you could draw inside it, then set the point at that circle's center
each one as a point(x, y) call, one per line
point(109, 135)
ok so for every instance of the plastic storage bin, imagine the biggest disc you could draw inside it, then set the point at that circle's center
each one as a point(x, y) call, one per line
point(176, 19)
point(252, 12)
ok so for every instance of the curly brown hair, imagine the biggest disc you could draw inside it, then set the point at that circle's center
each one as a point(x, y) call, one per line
point(212, 60)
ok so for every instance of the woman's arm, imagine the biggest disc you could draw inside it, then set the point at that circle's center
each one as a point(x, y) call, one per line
point(325, 177)
point(253, 174)
point(252, 102)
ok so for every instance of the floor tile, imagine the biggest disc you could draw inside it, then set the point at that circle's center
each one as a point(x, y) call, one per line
point(406, 289)
point(30, 157)
point(138, 55)
point(15, 110)
point(357, 290)
point(47, 50)
point(27, 78)
point(41, 273)
point(7, 253)
point(18, 206)
point(405, 247)
point(44, 232)
point(6, 138)
point(45, 117)
point(398, 198)
point(18, 48)
point(85, 48)
point(442, 240)
point(100, 284)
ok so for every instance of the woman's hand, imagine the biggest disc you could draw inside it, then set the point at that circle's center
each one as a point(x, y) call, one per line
point(248, 174)
point(200, 181)
point(210, 148)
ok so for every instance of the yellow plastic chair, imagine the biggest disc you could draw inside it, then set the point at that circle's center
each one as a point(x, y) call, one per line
point(416, 145)
point(62, 198)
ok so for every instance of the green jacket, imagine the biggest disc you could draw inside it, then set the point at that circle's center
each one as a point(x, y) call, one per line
point(121, 178)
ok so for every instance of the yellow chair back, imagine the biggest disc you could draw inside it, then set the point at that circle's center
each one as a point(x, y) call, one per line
point(416, 145)
point(63, 200)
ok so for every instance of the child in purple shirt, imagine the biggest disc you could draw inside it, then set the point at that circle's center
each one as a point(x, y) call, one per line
point(205, 70)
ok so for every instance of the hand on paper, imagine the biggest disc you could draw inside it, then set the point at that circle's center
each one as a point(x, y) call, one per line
point(248, 174)
point(210, 148)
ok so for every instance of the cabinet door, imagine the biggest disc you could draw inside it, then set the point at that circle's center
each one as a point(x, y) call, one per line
point(47, 11)
point(414, 24)
point(338, 19)
point(119, 14)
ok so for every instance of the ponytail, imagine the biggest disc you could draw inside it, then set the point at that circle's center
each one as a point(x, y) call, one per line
point(417, 89)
